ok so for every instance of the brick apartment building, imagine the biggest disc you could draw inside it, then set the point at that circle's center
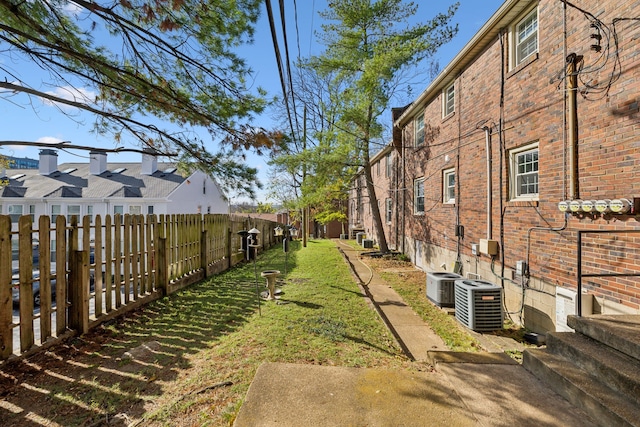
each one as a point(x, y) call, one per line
point(499, 165)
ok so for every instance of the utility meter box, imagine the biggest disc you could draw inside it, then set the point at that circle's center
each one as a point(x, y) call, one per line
point(488, 247)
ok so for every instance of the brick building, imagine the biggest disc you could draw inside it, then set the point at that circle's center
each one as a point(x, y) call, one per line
point(539, 109)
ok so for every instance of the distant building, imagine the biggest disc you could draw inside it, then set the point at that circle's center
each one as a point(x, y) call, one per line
point(101, 188)
point(22, 162)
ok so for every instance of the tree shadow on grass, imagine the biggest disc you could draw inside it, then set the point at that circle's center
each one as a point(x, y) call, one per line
point(114, 373)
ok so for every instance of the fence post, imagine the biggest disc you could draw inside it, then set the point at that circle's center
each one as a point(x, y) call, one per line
point(204, 251)
point(228, 250)
point(6, 332)
point(163, 267)
point(79, 291)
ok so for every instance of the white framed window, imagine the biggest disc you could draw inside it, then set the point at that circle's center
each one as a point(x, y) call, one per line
point(32, 212)
point(388, 209)
point(524, 172)
point(135, 209)
point(150, 210)
point(448, 100)
point(90, 213)
point(118, 209)
point(418, 196)
point(55, 211)
point(525, 37)
point(15, 212)
point(389, 165)
point(378, 168)
point(73, 210)
point(418, 126)
point(449, 186)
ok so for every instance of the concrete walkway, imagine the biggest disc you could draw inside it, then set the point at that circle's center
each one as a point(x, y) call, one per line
point(463, 389)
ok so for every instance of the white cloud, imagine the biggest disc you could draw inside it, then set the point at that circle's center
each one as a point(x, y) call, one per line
point(49, 140)
point(70, 93)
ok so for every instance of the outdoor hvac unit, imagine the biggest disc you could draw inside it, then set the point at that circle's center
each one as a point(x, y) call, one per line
point(478, 305)
point(440, 288)
point(367, 243)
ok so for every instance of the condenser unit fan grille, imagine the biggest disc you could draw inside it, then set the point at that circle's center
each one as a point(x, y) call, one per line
point(478, 305)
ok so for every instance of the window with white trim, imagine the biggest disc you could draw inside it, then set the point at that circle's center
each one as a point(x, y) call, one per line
point(55, 211)
point(418, 126)
point(388, 209)
point(15, 212)
point(525, 37)
point(135, 210)
point(118, 209)
point(449, 186)
point(524, 172)
point(389, 165)
point(32, 212)
point(73, 210)
point(418, 196)
point(448, 100)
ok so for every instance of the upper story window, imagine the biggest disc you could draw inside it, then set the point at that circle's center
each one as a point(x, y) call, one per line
point(418, 196)
point(418, 125)
point(524, 172)
point(449, 186)
point(55, 211)
point(73, 210)
point(388, 209)
point(525, 37)
point(448, 100)
point(15, 212)
point(389, 165)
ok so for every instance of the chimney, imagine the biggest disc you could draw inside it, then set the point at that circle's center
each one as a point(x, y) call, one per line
point(48, 162)
point(97, 162)
point(149, 162)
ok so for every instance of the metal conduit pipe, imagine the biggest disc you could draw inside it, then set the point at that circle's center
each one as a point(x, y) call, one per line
point(487, 134)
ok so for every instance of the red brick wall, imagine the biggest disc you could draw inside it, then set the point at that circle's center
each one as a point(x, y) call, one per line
point(609, 151)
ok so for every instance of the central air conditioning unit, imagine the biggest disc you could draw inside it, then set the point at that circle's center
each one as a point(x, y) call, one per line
point(479, 305)
point(440, 288)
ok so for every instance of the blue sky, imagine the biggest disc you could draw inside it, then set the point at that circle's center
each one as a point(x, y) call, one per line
point(44, 122)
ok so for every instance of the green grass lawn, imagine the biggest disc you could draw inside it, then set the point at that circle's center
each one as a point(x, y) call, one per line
point(216, 333)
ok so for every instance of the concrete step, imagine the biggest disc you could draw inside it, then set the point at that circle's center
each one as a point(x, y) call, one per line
point(604, 405)
point(621, 332)
point(616, 370)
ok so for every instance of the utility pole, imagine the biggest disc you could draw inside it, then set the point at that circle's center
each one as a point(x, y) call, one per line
point(305, 218)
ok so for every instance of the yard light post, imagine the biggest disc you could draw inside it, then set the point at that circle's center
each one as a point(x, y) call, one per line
point(252, 242)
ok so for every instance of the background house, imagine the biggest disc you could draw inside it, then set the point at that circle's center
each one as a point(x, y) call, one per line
point(539, 109)
point(101, 188)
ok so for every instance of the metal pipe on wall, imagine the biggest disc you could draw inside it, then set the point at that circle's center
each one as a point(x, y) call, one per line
point(487, 134)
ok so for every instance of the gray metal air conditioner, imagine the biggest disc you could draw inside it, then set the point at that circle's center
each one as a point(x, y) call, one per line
point(479, 304)
point(440, 288)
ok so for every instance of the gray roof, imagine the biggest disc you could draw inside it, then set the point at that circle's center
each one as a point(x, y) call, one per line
point(78, 182)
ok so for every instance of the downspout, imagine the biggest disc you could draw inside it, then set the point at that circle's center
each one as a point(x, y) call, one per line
point(404, 191)
point(572, 91)
point(487, 134)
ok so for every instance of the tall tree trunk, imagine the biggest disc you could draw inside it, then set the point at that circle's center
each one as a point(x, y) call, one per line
point(375, 209)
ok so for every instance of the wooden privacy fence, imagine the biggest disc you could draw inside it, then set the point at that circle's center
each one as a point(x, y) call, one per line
point(61, 278)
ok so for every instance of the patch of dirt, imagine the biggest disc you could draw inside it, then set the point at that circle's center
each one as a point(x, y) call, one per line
point(93, 380)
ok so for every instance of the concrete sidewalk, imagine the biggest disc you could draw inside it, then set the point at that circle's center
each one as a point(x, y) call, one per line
point(463, 389)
